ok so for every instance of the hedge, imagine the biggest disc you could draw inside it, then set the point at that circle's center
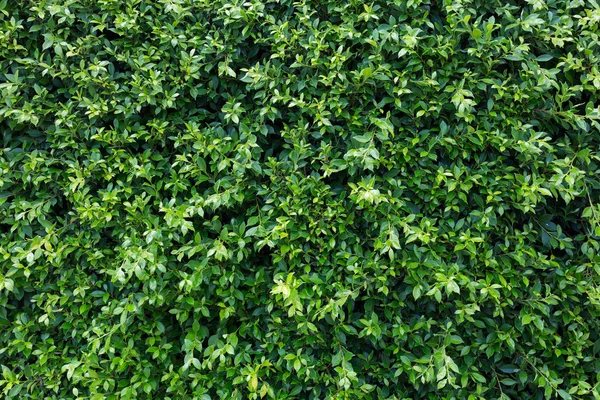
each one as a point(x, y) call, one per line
point(300, 199)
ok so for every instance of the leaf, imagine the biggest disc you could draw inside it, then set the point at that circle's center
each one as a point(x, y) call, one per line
point(564, 395)
point(337, 359)
point(366, 73)
point(253, 383)
point(196, 363)
point(545, 57)
point(9, 284)
point(416, 292)
point(509, 368)
point(366, 138)
point(452, 286)
point(514, 57)
point(478, 377)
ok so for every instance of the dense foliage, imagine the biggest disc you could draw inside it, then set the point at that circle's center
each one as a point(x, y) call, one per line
point(299, 199)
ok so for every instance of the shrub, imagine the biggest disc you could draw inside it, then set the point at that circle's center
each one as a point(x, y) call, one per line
point(299, 199)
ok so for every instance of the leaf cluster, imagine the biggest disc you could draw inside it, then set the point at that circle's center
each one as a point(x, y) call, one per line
point(298, 199)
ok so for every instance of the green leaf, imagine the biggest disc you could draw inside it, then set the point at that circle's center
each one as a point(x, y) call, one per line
point(545, 57)
point(564, 395)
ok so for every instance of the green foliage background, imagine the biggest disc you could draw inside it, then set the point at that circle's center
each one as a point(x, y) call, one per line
point(299, 199)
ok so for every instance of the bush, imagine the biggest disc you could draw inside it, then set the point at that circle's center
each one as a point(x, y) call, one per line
point(300, 199)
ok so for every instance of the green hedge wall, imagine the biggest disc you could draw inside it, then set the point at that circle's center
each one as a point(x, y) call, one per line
point(299, 199)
